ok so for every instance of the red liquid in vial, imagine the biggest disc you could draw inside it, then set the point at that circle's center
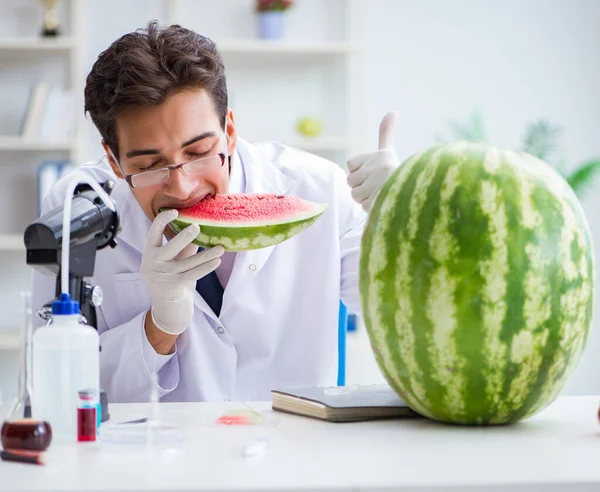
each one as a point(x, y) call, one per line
point(86, 424)
point(26, 434)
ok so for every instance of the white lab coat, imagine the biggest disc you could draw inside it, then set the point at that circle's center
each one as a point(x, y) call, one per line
point(278, 322)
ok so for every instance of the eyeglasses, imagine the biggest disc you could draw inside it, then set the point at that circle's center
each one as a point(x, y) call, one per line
point(190, 168)
point(158, 176)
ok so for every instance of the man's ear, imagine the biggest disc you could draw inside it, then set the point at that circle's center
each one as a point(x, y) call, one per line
point(231, 132)
point(111, 161)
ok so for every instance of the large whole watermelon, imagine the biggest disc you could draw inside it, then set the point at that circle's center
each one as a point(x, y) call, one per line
point(477, 283)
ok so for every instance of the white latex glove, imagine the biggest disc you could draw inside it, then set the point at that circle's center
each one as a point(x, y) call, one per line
point(368, 172)
point(171, 272)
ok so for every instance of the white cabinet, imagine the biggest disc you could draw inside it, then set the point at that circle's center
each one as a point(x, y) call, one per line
point(26, 59)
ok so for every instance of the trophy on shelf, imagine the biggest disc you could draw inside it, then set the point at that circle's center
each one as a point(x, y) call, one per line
point(50, 25)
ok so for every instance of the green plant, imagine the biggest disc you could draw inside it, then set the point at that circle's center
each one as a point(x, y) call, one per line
point(472, 130)
point(540, 139)
point(273, 5)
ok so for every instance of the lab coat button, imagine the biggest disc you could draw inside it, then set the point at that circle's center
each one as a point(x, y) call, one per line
point(220, 330)
point(252, 267)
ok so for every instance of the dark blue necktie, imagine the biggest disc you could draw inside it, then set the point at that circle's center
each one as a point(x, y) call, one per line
point(211, 290)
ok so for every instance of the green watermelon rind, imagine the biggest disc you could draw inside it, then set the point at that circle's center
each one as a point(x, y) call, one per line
point(467, 372)
point(252, 236)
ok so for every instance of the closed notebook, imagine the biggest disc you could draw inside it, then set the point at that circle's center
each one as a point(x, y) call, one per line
point(342, 404)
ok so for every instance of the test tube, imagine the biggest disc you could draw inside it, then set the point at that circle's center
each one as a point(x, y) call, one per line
point(86, 416)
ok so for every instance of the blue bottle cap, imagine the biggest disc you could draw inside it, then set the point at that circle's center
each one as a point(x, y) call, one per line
point(65, 305)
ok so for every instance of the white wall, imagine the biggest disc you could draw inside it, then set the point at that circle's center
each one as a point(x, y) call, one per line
point(438, 60)
point(515, 60)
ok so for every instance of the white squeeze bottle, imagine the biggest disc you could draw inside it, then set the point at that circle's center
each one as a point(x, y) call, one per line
point(66, 359)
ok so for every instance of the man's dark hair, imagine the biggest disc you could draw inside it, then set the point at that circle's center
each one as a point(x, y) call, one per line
point(145, 67)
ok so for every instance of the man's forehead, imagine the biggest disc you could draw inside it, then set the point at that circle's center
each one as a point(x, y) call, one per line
point(157, 149)
point(179, 119)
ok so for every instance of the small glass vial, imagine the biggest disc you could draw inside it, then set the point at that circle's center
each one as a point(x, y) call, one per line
point(87, 416)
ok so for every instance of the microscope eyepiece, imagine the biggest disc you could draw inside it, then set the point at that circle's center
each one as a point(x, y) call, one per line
point(93, 226)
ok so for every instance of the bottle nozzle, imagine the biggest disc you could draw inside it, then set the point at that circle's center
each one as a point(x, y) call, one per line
point(65, 305)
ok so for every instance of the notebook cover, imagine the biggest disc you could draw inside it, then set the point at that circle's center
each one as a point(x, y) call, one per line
point(352, 397)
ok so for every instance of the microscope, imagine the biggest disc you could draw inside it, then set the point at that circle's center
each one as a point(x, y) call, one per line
point(93, 227)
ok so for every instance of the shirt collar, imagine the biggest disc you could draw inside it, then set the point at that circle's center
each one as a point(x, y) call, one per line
point(237, 178)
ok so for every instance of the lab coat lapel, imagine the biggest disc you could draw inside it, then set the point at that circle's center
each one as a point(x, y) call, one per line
point(262, 176)
point(134, 222)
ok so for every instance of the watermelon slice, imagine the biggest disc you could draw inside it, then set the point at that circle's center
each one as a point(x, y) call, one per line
point(241, 222)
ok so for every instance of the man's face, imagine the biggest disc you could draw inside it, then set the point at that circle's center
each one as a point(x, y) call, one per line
point(185, 127)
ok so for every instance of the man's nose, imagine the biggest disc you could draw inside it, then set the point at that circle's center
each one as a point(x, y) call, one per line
point(179, 185)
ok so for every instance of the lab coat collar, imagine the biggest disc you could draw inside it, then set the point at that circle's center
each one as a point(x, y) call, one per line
point(237, 178)
point(134, 222)
point(261, 176)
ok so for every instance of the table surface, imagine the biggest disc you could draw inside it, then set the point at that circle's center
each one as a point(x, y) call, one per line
point(558, 449)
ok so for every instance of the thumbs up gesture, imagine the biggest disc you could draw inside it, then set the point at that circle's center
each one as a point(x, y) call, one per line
point(368, 172)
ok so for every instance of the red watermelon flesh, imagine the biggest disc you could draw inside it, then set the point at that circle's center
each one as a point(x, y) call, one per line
point(241, 222)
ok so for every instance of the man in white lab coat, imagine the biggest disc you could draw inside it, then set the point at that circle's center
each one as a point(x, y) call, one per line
point(159, 101)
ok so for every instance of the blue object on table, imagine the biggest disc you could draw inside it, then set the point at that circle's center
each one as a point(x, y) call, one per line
point(98, 414)
point(342, 328)
point(351, 324)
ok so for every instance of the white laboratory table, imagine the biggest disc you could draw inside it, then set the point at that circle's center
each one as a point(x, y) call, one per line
point(559, 449)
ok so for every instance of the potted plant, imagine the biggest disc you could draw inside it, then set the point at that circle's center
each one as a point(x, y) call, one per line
point(271, 17)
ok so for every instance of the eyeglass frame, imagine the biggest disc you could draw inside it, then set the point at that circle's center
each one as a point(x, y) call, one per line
point(129, 177)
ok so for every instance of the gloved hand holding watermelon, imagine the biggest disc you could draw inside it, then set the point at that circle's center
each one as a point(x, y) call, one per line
point(241, 222)
point(171, 271)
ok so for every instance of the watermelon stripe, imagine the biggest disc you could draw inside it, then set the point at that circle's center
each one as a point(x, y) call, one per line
point(519, 210)
point(527, 344)
point(494, 271)
point(409, 208)
point(447, 363)
point(572, 306)
point(560, 226)
point(471, 228)
point(374, 310)
point(552, 229)
point(420, 259)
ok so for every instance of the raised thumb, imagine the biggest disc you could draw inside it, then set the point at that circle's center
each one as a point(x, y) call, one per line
point(386, 130)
